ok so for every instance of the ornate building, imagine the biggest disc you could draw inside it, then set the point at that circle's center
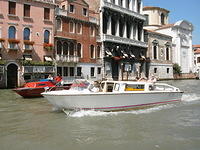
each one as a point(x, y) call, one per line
point(181, 33)
point(26, 40)
point(122, 37)
point(159, 45)
point(77, 52)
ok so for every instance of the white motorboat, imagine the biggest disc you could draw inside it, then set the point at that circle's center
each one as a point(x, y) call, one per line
point(113, 95)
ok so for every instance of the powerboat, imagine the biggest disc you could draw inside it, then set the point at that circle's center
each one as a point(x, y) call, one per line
point(112, 95)
point(35, 88)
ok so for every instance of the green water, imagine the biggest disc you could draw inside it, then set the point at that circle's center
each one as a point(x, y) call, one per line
point(31, 124)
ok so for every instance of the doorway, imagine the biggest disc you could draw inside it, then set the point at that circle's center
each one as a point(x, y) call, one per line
point(12, 76)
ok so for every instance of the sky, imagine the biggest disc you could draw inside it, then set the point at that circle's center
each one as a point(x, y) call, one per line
point(181, 10)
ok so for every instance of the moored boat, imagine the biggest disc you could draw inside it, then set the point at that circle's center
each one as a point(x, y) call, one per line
point(35, 88)
point(113, 95)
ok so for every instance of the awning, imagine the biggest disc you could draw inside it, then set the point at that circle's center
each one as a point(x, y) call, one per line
point(48, 58)
point(27, 57)
point(108, 52)
point(124, 53)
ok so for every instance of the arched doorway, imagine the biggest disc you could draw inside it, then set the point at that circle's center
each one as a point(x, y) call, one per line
point(12, 76)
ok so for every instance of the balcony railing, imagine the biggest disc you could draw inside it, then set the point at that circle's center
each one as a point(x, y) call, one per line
point(67, 58)
point(39, 69)
point(122, 40)
point(61, 12)
point(123, 10)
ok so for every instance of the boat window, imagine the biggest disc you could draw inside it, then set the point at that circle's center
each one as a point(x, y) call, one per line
point(116, 87)
point(134, 87)
point(110, 87)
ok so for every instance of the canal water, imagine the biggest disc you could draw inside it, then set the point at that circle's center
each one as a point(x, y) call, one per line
point(31, 124)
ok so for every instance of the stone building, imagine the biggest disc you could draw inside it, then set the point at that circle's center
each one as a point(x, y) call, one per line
point(196, 49)
point(77, 52)
point(122, 37)
point(26, 40)
point(181, 33)
point(159, 45)
point(160, 54)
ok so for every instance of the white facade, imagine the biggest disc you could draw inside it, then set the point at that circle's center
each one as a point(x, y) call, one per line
point(182, 51)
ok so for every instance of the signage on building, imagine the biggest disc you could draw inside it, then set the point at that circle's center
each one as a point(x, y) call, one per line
point(39, 69)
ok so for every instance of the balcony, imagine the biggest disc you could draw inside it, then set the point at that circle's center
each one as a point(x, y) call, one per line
point(117, 39)
point(123, 10)
point(39, 69)
point(67, 58)
point(61, 12)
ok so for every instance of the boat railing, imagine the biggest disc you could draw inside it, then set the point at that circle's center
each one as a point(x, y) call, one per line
point(164, 87)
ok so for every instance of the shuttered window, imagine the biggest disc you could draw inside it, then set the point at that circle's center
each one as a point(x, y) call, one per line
point(46, 13)
point(27, 10)
point(12, 8)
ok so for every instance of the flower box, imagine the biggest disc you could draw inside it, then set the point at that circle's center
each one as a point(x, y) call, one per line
point(48, 46)
point(27, 42)
point(2, 40)
point(13, 41)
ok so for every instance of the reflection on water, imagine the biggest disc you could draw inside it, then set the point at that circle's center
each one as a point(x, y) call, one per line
point(32, 124)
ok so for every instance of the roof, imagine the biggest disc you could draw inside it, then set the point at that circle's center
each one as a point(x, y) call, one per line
point(165, 26)
point(196, 46)
point(155, 8)
point(197, 51)
point(152, 31)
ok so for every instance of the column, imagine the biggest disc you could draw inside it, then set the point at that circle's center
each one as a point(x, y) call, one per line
point(135, 8)
point(109, 26)
point(117, 27)
point(125, 30)
point(136, 31)
point(131, 31)
point(142, 35)
point(124, 4)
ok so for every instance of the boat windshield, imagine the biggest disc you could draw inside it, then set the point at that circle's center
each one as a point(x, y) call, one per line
point(79, 85)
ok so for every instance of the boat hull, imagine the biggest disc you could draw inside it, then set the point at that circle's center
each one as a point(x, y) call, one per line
point(111, 102)
point(27, 92)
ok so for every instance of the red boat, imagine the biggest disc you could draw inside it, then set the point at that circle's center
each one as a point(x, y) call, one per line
point(35, 88)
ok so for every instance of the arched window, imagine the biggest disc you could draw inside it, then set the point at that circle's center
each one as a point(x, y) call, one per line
point(71, 49)
point(65, 48)
point(71, 26)
point(59, 48)
point(91, 30)
point(79, 28)
point(46, 36)
point(59, 24)
point(155, 49)
point(79, 47)
point(12, 32)
point(92, 52)
point(98, 52)
point(27, 34)
point(167, 53)
point(162, 17)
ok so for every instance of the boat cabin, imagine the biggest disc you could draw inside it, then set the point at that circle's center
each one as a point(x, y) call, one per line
point(130, 86)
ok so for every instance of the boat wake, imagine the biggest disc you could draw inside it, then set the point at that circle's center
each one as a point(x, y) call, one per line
point(190, 97)
point(186, 98)
point(93, 113)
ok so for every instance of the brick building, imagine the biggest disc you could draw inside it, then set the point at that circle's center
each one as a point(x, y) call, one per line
point(77, 50)
point(26, 40)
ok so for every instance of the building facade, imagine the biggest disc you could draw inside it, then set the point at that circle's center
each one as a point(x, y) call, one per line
point(181, 33)
point(196, 49)
point(77, 52)
point(160, 54)
point(26, 40)
point(122, 38)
